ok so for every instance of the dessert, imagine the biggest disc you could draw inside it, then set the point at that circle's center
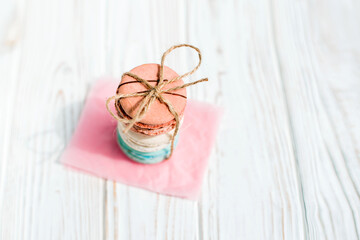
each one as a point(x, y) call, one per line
point(148, 141)
point(150, 102)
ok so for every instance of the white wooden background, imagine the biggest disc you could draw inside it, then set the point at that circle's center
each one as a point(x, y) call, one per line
point(286, 164)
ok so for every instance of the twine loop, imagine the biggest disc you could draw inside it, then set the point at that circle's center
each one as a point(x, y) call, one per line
point(154, 92)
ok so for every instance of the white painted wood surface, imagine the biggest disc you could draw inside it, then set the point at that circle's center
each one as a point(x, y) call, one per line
point(286, 164)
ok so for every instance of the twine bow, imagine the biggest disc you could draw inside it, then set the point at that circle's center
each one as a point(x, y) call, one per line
point(155, 92)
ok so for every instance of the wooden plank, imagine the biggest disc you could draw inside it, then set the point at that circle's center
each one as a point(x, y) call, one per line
point(9, 59)
point(40, 199)
point(252, 189)
point(317, 43)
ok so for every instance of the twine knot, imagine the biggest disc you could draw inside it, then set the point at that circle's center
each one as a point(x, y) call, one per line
point(157, 91)
point(154, 92)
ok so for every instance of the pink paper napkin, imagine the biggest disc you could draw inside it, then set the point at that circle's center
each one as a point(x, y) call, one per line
point(93, 148)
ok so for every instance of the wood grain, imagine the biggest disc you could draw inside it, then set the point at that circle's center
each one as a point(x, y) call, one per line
point(286, 161)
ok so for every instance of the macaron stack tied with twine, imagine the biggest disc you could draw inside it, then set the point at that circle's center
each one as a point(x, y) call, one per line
point(150, 102)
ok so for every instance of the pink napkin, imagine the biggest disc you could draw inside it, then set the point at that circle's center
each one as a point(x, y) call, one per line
point(93, 148)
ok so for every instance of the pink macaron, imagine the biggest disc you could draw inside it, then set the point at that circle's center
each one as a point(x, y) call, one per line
point(158, 119)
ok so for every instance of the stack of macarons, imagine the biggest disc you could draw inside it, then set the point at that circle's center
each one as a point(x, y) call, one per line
point(148, 141)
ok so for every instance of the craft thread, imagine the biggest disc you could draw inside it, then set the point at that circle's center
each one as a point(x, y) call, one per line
point(155, 92)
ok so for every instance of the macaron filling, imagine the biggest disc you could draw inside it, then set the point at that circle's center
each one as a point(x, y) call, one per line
point(144, 157)
point(145, 143)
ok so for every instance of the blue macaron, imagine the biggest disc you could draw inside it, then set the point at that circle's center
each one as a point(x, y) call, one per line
point(144, 157)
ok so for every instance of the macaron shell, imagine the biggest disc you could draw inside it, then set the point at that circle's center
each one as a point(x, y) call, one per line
point(144, 157)
point(148, 129)
point(158, 113)
point(144, 143)
point(154, 132)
